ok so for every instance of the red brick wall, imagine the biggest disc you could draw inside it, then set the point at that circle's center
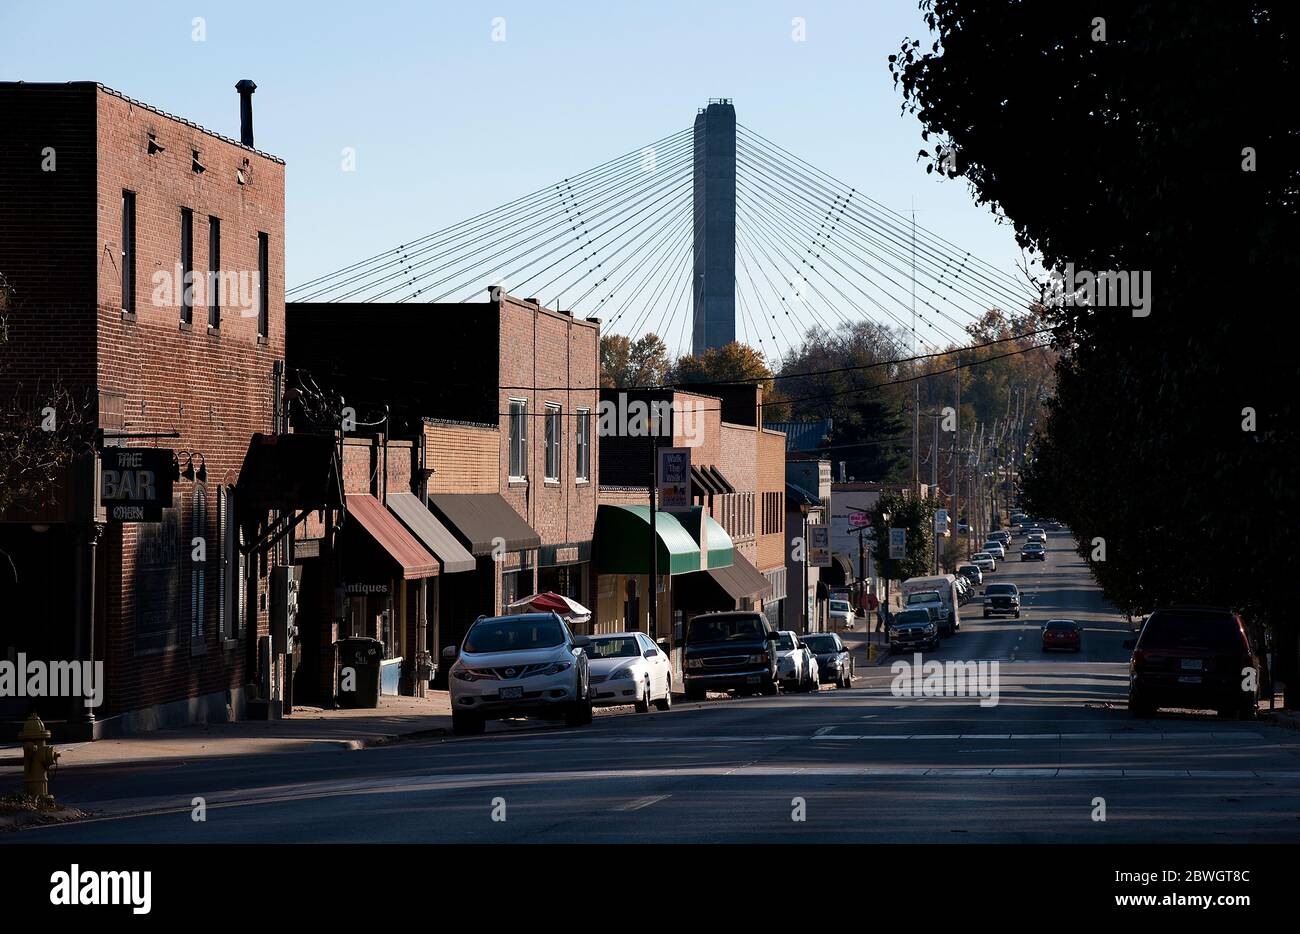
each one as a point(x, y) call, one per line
point(60, 233)
point(47, 235)
point(465, 458)
point(770, 477)
point(552, 352)
point(738, 460)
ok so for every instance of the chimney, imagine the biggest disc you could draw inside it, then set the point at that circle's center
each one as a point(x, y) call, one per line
point(246, 88)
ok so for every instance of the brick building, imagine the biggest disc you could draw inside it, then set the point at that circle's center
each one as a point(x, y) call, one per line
point(504, 395)
point(108, 209)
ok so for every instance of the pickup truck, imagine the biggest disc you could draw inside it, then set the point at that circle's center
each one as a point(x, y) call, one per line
point(1001, 600)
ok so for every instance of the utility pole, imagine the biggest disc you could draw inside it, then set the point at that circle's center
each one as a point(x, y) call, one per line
point(934, 482)
point(956, 459)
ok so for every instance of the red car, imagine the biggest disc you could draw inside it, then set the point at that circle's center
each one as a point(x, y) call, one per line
point(1062, 634)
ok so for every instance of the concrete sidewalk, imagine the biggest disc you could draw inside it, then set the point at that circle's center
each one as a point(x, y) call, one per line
point(308, 728)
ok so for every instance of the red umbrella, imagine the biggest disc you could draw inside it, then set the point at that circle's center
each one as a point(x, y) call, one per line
point(553, 603)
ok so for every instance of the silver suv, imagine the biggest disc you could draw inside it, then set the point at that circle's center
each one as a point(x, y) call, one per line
point(529, 664)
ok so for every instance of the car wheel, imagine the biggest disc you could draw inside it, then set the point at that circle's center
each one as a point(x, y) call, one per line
point(1017, 614)
point(694, 694)
point(986, 614)
point(466, 724)
point(1139, 708)
point(666, 702)
point(769, 687)
point(643, 702)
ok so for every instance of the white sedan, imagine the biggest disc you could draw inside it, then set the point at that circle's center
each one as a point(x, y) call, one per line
point(628, 668)
point(796, 665)
point(995, 548)
point(984, 561)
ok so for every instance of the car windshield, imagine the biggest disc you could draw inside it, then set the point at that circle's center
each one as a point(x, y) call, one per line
point(967, 569)
point(784, 641)
point(912, 616)
point(1191, 630)
point(925, 596)
point(514, 634)
point(988, 546)
point(980, 556)
point(617, 647)
point(821, 644)
point(841, 605)
point(994, 589)
point(726, 629)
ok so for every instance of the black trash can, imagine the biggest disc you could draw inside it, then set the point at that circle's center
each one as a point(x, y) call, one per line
point(361, 656)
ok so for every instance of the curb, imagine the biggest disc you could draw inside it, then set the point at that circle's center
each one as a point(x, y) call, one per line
point(1288, 721)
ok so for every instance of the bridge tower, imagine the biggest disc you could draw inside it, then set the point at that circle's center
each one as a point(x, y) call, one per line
point(714, 284)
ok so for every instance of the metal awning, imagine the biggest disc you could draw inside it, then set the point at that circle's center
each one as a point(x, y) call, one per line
point(716, 547)
point(435, 536)
point(703, 482)
point(718, 478)
point(391, 536)
point(724, 587)
point(484, 519)
point(621, 544)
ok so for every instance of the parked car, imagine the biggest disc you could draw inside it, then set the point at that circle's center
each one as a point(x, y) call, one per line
point(1033, 551)
point(1002, 600)
point(729, 651)
point(972, 573)
point(1062, 634)
point(984, 561)
point(628, 668)
point(994, 547)
point(834, 660)
point(841, 613)
point(1003, 536)
point(512, 666)
point(912, 629)
point(796, 665)
point(1196, 657)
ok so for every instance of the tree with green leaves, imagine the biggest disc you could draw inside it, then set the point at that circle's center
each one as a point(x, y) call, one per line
point(627, 363)
point(916, 516)
point(1147, 143)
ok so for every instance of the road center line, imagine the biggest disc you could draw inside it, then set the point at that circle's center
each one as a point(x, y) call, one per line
point(640, 803)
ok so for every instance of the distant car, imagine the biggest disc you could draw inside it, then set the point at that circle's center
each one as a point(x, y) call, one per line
point(913, 629)
point(984, 561)
point(1197, 657)
point(1002, 600)
point(834, 660)
point(841, 614)
point(972, 573)
point(994, 547)
point(796, 665)
point(1002, 535)
point(1033, 551)
point(628, 668)
point(1053, 526)
point(1036, 534)
point(512, 666)
point(1062, 634)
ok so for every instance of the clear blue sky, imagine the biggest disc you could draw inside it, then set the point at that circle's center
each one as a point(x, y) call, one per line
point(447, 122)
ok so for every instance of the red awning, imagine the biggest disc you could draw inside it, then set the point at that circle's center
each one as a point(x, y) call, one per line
point(403, 547)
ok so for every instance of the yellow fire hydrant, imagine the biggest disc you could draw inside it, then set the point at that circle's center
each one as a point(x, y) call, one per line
point(38, 759)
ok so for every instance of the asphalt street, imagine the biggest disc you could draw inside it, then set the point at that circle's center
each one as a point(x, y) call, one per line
point(1057, 751)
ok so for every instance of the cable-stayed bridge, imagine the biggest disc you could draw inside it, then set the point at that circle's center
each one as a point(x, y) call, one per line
point(706, 235)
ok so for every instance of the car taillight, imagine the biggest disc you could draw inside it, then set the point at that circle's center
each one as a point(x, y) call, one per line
point(1139, 657)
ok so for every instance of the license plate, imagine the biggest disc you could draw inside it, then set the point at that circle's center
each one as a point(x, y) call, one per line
point(1189, 679)
point(512, 693)
point(753, 679)
point(1191, 664)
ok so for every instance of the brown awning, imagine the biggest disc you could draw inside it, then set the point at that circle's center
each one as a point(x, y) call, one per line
point(481, 519)
point(719, 479)
point(435, 536)
point(391, 536)
point(741, 579)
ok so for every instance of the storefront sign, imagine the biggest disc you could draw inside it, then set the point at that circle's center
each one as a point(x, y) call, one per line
point(859, 520)
point(365, 588)
point(819, 546)
point(136, 483)
point(674, 479)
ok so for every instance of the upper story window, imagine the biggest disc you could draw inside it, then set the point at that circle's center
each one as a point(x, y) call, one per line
point(263, 285)
point(187, 266)
point(214, 272)
point(582, 455)
point(554, 432)
point(519, 439)
point(128, 251)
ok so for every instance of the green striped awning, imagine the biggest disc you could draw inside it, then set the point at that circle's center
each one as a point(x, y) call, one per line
point(717, 549)
point(622, 539)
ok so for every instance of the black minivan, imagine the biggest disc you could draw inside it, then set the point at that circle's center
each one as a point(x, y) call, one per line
point(730, 651)
point(1194, 657)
